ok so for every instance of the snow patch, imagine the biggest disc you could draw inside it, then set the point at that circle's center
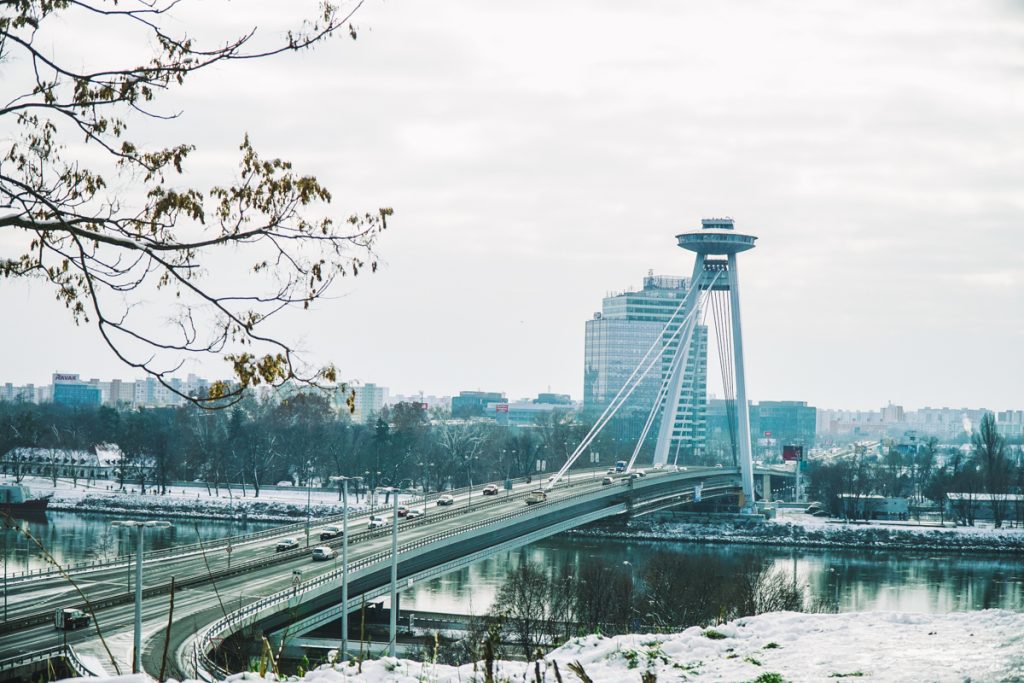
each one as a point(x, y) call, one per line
point(801, 648)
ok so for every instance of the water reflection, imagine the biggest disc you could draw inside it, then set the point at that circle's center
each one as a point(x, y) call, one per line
point(846, 580)
point(72, 537)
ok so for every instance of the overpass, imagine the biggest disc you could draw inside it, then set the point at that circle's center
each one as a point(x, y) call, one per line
point(214, 601)
point(218, 593)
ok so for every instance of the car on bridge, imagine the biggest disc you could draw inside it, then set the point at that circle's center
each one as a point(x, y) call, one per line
point(375, 522)
point(607, 480)
point(68, 618)
point(322, 552)
point(403, 510)
point(330, 532)
point(445, 500)
point(286, 544)
point(491, 490)
point(414, 514)
point(538, 496)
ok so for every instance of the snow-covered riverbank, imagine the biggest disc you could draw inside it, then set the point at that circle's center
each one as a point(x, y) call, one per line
point(275, 504)
point(806, 531)
point(980, 647)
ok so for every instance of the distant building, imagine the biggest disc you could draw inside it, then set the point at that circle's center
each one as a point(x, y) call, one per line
point(370, 399)
point(69, 390)
point(773, 424)
point(474, 403)
point(785, 423)
point(616, 340)
point(874, 507)
point(528, 413)
point(104, 461)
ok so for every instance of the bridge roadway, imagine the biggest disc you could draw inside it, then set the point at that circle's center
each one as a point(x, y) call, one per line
point(255, 572)
point(295, 611)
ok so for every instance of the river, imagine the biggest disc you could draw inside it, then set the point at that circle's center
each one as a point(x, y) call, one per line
point(851, 580)
point(73, 537)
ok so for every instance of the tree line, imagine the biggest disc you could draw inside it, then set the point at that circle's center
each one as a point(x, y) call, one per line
point(303, 440)
point(540, 607)
point(987, 473)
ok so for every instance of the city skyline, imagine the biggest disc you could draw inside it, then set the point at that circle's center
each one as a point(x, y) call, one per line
point(881, 177)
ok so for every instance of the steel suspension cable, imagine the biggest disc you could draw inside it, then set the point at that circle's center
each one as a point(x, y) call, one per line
point(677, 358)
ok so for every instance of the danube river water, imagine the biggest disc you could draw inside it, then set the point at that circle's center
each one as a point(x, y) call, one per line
point(851, 580)
point(72, 537)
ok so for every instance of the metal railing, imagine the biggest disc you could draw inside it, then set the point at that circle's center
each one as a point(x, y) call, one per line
point(43, 616)
point(234, 541)
point(64, 652)
point(226, 625)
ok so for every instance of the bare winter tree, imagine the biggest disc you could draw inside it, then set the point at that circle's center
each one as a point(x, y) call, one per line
point(109, 223)
point(990, 452)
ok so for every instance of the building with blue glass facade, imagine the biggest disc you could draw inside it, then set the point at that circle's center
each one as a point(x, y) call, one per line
point(69, 390)
point(617, 339)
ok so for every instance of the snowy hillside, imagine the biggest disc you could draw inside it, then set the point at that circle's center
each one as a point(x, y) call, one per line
point(785, 646)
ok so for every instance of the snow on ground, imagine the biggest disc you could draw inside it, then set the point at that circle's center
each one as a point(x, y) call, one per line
point(799, 529)
point(783, 646)
point(283, 504)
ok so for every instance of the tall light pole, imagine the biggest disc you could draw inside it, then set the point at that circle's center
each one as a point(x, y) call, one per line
point(394, 574)
point(137, 654)
point(309, 489)
point(344, 564)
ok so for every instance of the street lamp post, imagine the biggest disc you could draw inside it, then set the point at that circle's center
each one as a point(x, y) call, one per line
point(344, 563)
point(137, 654)
point(394, 574)
point(309, 490)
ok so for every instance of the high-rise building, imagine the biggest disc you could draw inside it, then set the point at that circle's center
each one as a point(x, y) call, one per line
point(69, 390)
point(617, 339)
point(370, 399)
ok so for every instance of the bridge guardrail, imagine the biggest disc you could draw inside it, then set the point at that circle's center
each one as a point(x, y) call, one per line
point(205, 642)
point(65, 652)
point(123, 560)
point(277, 558)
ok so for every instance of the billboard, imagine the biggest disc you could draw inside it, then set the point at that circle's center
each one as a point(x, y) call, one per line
point(501, 408)
point(792, 453)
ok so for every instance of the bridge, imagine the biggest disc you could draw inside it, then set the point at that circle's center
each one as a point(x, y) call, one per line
point(198, 599)
point(218, 594)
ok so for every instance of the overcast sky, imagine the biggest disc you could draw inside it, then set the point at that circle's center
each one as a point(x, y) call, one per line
point(539, 155)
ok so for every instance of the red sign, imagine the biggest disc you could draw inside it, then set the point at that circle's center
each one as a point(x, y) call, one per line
point(793, 453)
point(767, 435)
point(501, 408)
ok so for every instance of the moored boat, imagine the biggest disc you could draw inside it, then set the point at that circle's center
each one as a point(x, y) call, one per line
point(17, 498)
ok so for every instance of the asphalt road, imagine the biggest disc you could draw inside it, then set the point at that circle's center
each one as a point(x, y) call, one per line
point(198, 605)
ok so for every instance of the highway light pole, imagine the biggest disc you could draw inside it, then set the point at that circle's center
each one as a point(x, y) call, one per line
point(137, 649)
point(344, 564)
point(394, 575)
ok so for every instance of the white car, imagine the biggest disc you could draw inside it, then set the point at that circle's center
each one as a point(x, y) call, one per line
point(446, 500)
point(322, 552)
point(376, 522)
point(414, 514)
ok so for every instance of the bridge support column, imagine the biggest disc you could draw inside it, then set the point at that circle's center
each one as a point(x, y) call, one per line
point(742, 408)
point(766, 484)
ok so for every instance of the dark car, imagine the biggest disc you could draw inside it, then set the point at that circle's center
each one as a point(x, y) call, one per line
point(287, 544)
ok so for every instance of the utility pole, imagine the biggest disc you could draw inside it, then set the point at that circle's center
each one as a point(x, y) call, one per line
point(344, 572)
point(394, 576)
point(137, 664)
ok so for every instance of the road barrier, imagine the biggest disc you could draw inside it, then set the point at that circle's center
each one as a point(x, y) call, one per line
point(43, 616)
point(234, 541)
point(208, 639)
